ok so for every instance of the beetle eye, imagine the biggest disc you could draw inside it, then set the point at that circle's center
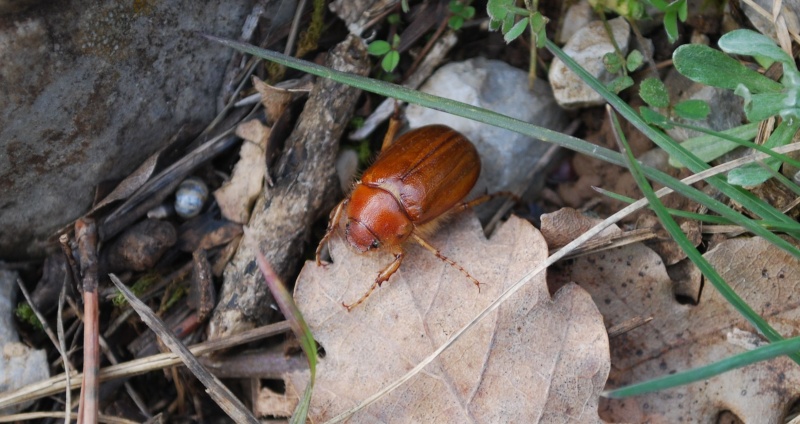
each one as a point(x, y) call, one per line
point(375, 244)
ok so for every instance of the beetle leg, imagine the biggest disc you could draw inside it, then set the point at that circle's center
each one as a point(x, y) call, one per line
point(383, 276)
point(445, 259)
point(388, 139)
point(333, 224)
point(483, 199)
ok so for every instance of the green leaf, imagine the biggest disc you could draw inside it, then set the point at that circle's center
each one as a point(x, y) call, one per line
point(538, 22)
point(710, 147)
point(753, 174)
point(393, 19)
point(671, 26)
point(378, 48)
point(658, 4)
point(692, 109)
point(758, 107)
point(612, 62)
point(455, 22)
point(395, 41)
point(494, 25)
point(455, 6)
point(541, 38)
point(654, 118)
point(727, 140)
point(498, 9)
point(468, 12)
point(508, 22)
point(516, 30)
point(654, 92)
point(751, 43)
point(620, 83)
point(683, 10)
point(634, 60)
point(712, 67)
point(390, 61)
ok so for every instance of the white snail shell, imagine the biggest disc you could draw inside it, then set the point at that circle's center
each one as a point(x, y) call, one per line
point(190, 197)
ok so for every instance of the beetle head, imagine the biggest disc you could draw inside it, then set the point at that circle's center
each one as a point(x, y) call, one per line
point(360, 236)
point(375, 220)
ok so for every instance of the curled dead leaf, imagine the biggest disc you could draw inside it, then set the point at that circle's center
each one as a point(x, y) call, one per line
point(236, 196)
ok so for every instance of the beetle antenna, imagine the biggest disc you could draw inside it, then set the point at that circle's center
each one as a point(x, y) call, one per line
point(333, 224)
point(445, 259)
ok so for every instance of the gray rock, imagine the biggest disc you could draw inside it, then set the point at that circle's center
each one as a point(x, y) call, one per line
point(587, 47)
point(577, 17)
point(19, 364)
point(507, 157)
point(88, 90)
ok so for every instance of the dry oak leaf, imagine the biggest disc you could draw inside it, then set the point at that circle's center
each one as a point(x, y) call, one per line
point(537, 359)
point(631, 281)
point(236, 196)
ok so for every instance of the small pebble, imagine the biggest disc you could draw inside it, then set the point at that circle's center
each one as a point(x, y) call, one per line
point(190, 197)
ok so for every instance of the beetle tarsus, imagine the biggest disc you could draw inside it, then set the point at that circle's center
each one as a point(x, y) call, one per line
point(383, 276)
point(445, 259)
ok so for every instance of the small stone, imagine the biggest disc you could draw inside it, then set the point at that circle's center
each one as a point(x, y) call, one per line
point(140, 247)
point(190, 198)
point(587, 47)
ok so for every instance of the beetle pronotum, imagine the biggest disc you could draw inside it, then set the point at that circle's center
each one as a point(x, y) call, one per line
point(415, 182)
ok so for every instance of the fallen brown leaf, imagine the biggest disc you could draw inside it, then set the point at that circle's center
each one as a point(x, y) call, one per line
point(236, 196)
point(632, 282)
point(535, 360)
point(274, 99)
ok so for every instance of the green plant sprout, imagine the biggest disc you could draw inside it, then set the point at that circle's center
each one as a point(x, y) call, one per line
point(673, 11)
point(655, 94)
point(461, 11)
point(391, 57)
point(635, 9)
point(25, 314)
point(763, 97)
point(503, 16)
point(139, 287)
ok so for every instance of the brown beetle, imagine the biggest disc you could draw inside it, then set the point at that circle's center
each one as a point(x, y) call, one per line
point(417, 180)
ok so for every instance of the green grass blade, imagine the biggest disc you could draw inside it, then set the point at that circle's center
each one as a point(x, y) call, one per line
point(300, 329)
point(703, 148)
point(683, 242)
point(764, 353)
point(711, 219)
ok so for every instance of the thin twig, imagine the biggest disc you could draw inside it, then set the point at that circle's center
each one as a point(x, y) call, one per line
point(63, 345)
point(37, 415)
point(218, 392)
point(40, 317)
point(57, 384)
point(86, 234)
